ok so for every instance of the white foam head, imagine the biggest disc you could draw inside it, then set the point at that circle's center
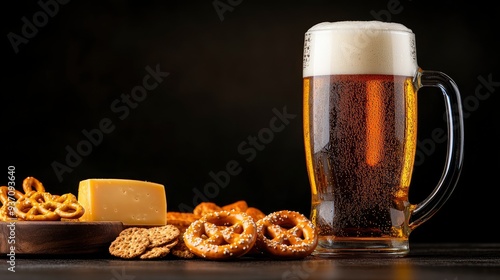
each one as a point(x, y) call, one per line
point(359, 47)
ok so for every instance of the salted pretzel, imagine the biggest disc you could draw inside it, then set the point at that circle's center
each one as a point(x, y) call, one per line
point(32, 184)
point(221, 235)
point(255, 213)
point(5, 213)
point(238, 206)
point(286, 234)
point(42, 206)
point(182, 219)
point(205, 208)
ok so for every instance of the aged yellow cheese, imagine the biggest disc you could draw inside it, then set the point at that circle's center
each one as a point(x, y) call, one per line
point(132, 202)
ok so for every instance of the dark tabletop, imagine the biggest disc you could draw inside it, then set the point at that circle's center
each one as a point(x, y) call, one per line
point(426, 261)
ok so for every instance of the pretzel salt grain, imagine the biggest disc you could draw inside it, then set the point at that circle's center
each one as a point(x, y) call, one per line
point(5, 200)
point(286, 234)
point(221, 235)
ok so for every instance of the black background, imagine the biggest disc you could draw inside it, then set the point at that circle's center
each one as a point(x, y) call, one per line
point(228, 71)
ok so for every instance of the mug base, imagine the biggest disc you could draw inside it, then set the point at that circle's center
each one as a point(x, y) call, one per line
point(330, 247)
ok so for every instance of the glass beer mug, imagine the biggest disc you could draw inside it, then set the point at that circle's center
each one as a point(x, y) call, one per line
point(360, 83)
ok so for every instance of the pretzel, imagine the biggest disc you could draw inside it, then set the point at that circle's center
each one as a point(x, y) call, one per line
point(238, 206)
point(286, 234)
point(42, 206)
point(221, 235)
point(5, 200)
point(183, 219)
point(205, 208)
point(31, 182)
point(255, 213)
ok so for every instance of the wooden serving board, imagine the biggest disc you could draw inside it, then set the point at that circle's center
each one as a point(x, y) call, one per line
point(57, 237)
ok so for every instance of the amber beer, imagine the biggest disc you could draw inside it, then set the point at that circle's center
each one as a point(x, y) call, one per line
point(360, 131)
point(361, 165)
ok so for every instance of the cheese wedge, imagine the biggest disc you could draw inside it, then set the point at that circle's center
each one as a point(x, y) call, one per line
point(132, 202)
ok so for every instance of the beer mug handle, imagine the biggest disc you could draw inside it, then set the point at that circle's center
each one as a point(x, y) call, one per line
point(454, 155)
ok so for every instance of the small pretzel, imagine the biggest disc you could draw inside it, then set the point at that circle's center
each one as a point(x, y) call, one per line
point(181, 218)
point(42, 206)
point(68, 206)
point(221, 235)
point(238, 206)
point(5, 213)
point(31, 182)
point(205, 208)
point(286, 234)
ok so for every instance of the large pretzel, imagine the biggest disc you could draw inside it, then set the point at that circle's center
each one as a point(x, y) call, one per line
point(5, 200)
point(286, 234)
point(42, 206)
point(221, 235)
